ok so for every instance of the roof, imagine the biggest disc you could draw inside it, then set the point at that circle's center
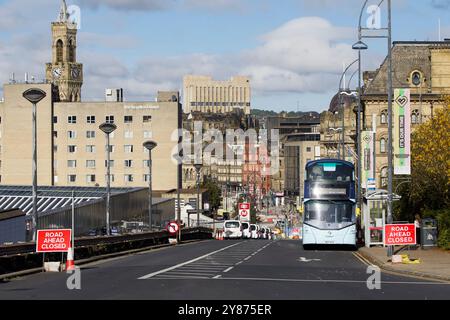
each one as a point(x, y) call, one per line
point(10, 214)
point(51, 198)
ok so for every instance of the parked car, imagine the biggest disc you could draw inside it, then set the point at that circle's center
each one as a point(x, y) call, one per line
point(245, 228)
point(232, 229)
point(254, 231)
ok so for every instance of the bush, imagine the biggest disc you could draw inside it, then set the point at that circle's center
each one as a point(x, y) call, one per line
point(443, 220)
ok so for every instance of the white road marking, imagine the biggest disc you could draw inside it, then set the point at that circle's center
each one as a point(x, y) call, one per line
point(229, 269)
point(217, 277)
point(187, 262)
point(247, 258)
point(337, 281)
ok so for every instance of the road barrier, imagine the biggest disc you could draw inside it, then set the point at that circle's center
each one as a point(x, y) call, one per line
point(20, 257)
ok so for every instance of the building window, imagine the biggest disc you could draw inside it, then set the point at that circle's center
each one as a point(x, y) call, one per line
point(72, 149)
point(148, 135)
point(128, 163)
point(90, 134)
point(90, 163)
point(384, 177)
point(308, 149)
point(90, 178)
point(72, 119)
point(111, 177)
point(146, 163)
point(55, 119)
point(128, 134)
point(71, 163)
point(128, 178)
point(71, 134)
point(111, 163)
point(383, 145)
point(146, 177)
point(90, 149)
point(147, 118)
point(111, 148)
point(128, 148)
point(90, 119)
point(384, 117)
point(109, 119)
point(415, 117)
point(128, 119)
point(55, 134)
point(59, 51)
point(72, 178)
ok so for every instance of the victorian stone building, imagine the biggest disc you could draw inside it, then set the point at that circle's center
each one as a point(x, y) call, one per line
point(423, 67)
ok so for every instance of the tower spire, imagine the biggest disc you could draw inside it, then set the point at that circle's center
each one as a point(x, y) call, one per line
point(63, 14)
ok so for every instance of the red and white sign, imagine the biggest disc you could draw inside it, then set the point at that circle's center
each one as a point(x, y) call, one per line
point(56, 240)
point(173, 227)
point(244, 211)
point(399, 234)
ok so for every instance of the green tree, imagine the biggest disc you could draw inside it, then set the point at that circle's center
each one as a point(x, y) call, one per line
point(214, 193)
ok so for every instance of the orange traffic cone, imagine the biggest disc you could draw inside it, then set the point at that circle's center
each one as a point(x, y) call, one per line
point(221, 235)
point(70, 263)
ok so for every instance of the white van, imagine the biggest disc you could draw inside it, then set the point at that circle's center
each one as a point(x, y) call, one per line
point(246, 233)
point(232, 229)
point(254, 229)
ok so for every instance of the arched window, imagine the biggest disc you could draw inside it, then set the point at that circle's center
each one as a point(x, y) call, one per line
point(384, 177)
point(71, 51)
point(383, 145)
point(59, 51)
point(384, 117)
point(415, 117)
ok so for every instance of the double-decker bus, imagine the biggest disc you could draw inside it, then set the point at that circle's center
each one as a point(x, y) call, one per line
point(329, 203)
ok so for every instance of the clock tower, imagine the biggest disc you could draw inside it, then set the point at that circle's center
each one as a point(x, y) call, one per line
point(64, 71)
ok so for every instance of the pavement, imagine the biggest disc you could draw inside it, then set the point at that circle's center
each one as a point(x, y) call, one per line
point(255, 270)
point(434, 262)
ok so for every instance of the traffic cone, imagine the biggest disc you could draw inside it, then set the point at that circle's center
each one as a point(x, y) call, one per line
point(70, 263)
point(221, 235)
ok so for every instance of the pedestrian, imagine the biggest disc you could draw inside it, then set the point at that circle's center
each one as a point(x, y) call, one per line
point(418, 223)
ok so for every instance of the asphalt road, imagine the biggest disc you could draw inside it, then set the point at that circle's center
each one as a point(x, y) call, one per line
point(226, 270)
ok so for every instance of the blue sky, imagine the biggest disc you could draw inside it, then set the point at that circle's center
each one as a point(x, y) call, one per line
point(293, 51)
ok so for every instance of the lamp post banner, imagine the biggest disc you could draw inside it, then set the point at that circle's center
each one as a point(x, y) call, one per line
point(367, 160)
point(402, 132)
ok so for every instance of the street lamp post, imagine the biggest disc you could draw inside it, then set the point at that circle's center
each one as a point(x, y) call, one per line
point(198, 167)
point(108, 128)
point(179, 185)
point(150, 145)
point(362, 46)
point(34, 96)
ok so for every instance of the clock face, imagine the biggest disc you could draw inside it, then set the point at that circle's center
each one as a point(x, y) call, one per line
point(57, 72)
point(75, 73)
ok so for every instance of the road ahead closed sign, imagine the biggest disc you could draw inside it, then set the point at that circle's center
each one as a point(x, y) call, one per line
point(53, 240)
point(399, 234)
point(244, 211)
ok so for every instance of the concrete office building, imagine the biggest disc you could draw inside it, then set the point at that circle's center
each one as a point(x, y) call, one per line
point(71, 147)
point(202, 93)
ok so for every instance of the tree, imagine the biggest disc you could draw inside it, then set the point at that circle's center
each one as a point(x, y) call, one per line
point(430, 159)
point(214, 192)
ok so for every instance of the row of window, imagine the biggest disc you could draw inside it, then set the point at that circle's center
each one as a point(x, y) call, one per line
point(91, 178)
point(108, 119)
point(415, 116)
point(71, 134)
point(91, 163)
point(218, 104)
point(93, 149)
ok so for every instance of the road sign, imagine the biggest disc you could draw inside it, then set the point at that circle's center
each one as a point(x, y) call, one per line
point(399, 234)
point(173, 227)
point(55, 240)
point(244, 211)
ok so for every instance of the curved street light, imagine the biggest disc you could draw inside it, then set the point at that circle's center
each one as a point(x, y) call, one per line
point(150, 145)
point(34, 96)
point(108, 128)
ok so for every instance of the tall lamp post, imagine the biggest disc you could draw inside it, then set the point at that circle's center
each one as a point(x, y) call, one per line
point(150, 145)
point(362, 46)
point(179, 185)
point(108, 128)
point(34, 96)
point(198, 167)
